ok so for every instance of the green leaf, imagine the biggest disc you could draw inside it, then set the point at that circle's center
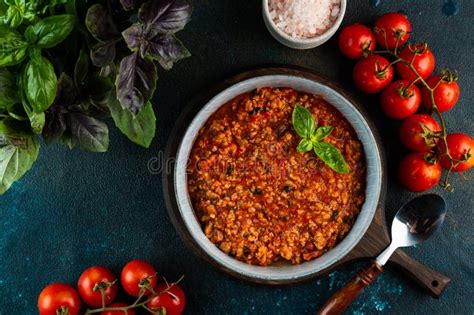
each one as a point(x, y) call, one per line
point(52, 30)
point(37, 120)
point(8, 89)
point(322, 132)
point(91, 133)
point(35, 53)
point(39, 84)
point(12, 128)
point(305, 146)
point(303, 121)
point(140, 128)
point(12, 47)
point(331, 156)
point(16, 161)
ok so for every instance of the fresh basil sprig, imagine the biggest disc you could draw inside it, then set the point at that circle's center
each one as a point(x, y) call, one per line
point(306, 127)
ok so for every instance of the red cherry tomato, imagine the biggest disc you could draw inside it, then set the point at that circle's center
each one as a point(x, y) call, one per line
point(418, 175)
point(411, 132)
point(461, 147)
point(400, 100)
point(355, 40)
point(423, 62)
point(137, 273)
point(97, 276)
point(392, 26)
point(58, 296)
point(372, 74)
point(173, 303)
point(118, 304)
point(446, 93)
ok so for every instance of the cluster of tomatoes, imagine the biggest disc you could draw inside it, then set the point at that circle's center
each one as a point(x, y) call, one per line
point(402, 98)
point(98, 287)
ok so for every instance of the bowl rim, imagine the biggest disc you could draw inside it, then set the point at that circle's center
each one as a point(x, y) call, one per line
point(312, 40)
point(274, 273)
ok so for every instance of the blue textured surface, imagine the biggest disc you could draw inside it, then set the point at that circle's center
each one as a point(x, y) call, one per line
point(76, 209)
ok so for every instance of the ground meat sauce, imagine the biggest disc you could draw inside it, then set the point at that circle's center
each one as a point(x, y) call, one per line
point(257, 198)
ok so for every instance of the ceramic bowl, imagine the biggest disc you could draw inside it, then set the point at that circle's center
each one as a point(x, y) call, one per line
point(281, 272)
point(298, 43)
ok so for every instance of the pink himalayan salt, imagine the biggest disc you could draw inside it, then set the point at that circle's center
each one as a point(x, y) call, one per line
point(304, 18)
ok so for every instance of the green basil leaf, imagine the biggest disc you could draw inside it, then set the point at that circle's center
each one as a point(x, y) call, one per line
point(12, 128)
point(303, 121)
point(322, 132)
point(30, 35)
point(140, 128)
point(37, 120)
point(81, 68)
point(12, 47)
point(14, 15)
point(305, 146)
point(91, 133)
point(331, 156)
point(8, 89)
point(16, 161)
point(136, 82)
point(52, 30)
point(40, 84)
point(35, 54)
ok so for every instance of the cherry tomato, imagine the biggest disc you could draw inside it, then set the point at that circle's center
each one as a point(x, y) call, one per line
point(411, 132)
point(135, 275)
point(372, 74)
point(118, 304)
point(59, 296)
point(174, 302)
point(400, 100)
point(96, 276)
point(394, 25)
point(418, 175)
point(424, 62)
point(461, 147)
point(355, 40)
point(446, 93)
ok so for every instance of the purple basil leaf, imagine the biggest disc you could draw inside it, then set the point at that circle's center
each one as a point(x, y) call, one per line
point(129, 4)
point(136, 82)
point(166, 49)
point(100, 24)
point(133, 36)
point(91, 133)
point(166, 16)
point(56, 115)
point(103, 54)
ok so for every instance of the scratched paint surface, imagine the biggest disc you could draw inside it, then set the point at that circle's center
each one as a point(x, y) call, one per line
point(75, 209)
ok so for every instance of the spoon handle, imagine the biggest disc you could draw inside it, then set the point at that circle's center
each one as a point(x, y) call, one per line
point(340, 300)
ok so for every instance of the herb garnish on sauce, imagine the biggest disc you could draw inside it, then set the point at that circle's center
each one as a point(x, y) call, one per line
point(306, 127)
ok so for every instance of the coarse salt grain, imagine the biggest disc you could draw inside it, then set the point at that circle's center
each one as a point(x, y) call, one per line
point(304, 18)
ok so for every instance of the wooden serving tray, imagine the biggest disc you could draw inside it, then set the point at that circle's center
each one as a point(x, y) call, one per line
point(376, 238)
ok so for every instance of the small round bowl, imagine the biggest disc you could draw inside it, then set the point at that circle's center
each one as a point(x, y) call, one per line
point(298, 43)
point(182, 212)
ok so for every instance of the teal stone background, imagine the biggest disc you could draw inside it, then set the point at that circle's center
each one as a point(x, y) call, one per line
point(76, 209)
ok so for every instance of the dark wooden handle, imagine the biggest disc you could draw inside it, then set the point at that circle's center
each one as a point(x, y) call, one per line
point(340, 300)
point(430, 280)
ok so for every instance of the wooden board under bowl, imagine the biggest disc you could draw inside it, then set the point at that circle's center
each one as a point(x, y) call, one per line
point(374, 240)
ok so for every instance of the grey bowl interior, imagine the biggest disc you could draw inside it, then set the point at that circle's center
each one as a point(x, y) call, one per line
point(286, 271)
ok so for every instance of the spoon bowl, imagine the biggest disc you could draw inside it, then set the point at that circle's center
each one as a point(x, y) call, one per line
point(417, 220)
